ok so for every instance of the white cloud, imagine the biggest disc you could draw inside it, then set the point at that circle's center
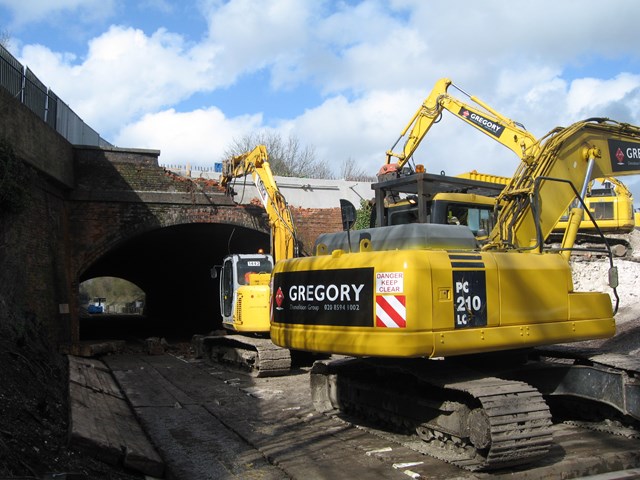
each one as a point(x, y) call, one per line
point(125, 74)
point(591, 96)
point(362, 130)
point(199, 137)
point(251, 36)
point(373, 62)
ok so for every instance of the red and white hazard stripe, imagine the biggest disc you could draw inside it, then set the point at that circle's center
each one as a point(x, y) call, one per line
point(391, 311)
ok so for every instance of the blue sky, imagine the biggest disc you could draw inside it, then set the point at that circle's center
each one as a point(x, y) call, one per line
point(343, 77)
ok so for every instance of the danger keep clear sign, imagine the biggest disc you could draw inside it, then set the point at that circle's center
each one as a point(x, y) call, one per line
point(391, 310)
point(389, 282)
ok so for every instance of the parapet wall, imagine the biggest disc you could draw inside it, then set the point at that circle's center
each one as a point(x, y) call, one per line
point(34, 141)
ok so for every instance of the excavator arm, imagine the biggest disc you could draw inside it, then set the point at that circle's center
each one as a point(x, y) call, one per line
point(255, 163)
point(544, 186)
point(620, 188)
point(502, 129)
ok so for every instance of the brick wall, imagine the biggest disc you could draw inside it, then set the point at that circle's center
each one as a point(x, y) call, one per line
point(311, 222)
point(34, 141)
point(34, 277)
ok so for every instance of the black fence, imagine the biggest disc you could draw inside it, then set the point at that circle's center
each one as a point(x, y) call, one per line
point(23, 84)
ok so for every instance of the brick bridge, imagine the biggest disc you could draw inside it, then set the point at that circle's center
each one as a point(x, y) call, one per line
point(131, 219)
point(114, 212)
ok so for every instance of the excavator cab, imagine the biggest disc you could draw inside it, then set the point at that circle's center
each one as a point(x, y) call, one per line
point(610, 204)
point(245, 283)
point(436, 199)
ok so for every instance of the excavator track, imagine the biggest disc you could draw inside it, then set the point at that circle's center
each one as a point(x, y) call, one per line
point(258, 356)
point(471, 421)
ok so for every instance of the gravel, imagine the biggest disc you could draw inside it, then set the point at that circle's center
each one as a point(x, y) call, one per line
point(592, 275)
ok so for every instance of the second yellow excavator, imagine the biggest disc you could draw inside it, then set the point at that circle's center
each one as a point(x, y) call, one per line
point(609, 202)
point(441, 199)
point(245, 278)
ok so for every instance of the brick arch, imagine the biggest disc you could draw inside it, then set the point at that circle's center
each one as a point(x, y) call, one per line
point(90, 249)
point(140, 252)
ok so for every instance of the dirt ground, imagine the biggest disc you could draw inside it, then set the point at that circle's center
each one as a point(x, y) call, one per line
point(33, 384)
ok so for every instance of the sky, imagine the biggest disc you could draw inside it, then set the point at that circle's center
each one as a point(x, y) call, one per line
point(188, 77)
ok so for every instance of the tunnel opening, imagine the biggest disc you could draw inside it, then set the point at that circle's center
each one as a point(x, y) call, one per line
point(107, 301)
point(172, 266)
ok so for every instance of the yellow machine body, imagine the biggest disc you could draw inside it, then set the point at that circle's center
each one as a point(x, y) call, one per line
point(245, 292)
point(441, 303)
point(251, 309)
point(612, 210)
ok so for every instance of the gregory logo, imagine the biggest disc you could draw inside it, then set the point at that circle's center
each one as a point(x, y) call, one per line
point(279, 299)
point(324, 297)
point(625, 155)
point(485, 124)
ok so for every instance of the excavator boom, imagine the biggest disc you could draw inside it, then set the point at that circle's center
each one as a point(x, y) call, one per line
point(256, 164)
point(485, 119)
point(568, 160)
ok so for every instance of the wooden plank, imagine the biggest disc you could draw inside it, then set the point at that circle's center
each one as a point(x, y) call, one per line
point(102, 422)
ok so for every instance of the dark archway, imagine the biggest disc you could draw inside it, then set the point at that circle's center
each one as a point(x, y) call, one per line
point(173, 267)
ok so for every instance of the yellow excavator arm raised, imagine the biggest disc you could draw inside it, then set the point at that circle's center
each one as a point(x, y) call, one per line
point(255, 163)
point(544, 186)
point(502, 129)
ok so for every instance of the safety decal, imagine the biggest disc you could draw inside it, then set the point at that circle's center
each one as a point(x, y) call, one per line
point(391, 311)
point(389, 282)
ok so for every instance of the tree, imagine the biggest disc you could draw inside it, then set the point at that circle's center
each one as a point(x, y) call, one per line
point(4, 38)
point(363, 215)
point(287, 157)
point(350, 171)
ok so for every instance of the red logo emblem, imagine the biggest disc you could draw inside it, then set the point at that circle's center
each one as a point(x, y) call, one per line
point(465, 113)
point(279, 297)
point(620, 156)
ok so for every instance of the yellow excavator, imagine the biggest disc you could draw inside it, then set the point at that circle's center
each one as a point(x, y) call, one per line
point(611, 203)
point(245, 277)
point(401, 197)
point(448, 335)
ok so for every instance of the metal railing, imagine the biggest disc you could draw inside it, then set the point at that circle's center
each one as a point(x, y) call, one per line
point(23, 84)
point(196, 171)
